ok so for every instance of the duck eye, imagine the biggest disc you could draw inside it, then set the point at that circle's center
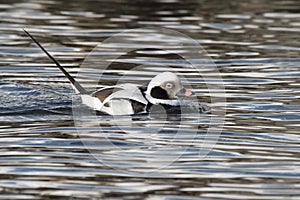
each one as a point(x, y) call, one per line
point(169, 85)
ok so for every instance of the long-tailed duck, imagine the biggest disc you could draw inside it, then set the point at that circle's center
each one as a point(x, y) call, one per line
point(127, 99)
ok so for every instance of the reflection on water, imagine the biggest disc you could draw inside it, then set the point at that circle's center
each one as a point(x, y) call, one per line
point(46, 154)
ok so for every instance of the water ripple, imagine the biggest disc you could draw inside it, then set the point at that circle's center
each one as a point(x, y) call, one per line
point(45, 154)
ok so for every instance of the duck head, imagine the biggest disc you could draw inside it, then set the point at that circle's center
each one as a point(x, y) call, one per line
point(166, 88)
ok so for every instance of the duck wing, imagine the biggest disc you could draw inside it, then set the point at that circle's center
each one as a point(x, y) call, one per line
point(131, 92)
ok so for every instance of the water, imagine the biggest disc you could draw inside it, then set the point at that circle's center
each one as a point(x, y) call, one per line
point(48, 152)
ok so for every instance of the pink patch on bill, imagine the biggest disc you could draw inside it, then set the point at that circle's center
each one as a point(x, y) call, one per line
point(188, 92)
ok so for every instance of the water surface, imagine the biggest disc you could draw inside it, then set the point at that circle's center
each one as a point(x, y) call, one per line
point(46, 154)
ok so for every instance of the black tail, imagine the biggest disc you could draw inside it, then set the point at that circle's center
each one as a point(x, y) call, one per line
point(71, 79)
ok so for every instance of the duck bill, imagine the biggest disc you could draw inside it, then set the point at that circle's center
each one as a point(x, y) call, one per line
point(188, 93)
point(185, 92)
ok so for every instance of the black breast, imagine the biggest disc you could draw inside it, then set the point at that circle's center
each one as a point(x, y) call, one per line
point(137, 107)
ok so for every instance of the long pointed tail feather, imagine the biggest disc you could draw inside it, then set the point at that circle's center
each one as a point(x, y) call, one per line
point(77, 86)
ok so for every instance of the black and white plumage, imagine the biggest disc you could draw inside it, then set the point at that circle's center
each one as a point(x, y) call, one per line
point(127, 99)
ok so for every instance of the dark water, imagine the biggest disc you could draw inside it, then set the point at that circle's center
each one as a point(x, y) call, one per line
point(53, 148)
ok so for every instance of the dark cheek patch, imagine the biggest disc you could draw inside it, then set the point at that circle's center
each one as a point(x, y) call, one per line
point(159, 93)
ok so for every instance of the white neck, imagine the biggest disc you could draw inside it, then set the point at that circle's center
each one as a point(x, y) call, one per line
point(155, 101)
